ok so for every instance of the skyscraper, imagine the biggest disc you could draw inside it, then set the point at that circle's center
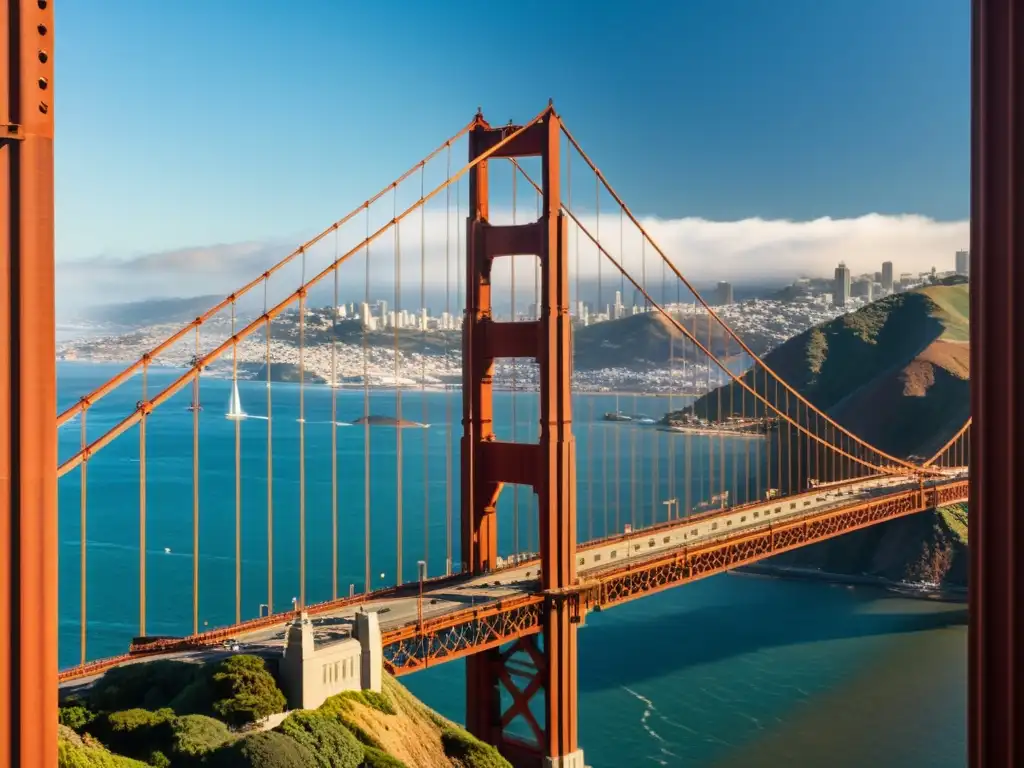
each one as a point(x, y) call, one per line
point(963, 263)
point(887, 276)
point(841, 288)
point(724, 294)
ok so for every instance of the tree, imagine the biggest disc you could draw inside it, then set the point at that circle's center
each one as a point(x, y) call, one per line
point(244, 691)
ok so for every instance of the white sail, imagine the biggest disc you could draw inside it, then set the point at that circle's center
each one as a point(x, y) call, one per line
point(235, 406)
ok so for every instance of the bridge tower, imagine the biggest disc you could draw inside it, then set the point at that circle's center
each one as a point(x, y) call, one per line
point(28, 400)
point(549, 466)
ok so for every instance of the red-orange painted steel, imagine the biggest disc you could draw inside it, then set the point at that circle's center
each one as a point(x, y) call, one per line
point(551, 467)
point(556, 489)
point(462, 633)
point(479, 492)
point(28, 437)
point(996, 636)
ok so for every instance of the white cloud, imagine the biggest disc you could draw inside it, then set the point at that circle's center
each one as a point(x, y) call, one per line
point(740, 251)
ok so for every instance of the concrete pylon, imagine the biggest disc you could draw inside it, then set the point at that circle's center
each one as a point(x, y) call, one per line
point(299, 646)
point(372, 651)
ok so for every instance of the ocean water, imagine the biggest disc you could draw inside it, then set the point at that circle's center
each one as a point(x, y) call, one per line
point(729, 671)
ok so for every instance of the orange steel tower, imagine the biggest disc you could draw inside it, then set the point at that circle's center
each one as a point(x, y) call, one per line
point(549, 466)
point(28, 437)
point(995, 633)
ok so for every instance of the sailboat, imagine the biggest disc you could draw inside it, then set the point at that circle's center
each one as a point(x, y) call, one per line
point(235, 405)
point(617, 415)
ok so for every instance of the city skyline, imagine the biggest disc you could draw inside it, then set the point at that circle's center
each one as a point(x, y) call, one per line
point(730, 218)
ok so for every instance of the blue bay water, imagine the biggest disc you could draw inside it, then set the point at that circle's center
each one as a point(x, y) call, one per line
point(728, 671)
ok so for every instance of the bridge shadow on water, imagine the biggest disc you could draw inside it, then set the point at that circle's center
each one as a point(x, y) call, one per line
point(656, 639)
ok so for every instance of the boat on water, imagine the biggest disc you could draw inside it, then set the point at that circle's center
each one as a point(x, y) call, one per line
point(645, 420)
point(235, 411)
point(617, 416)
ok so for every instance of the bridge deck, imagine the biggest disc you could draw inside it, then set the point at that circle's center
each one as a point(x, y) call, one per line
point(448, 601)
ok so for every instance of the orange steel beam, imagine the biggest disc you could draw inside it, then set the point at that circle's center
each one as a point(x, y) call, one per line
point(549, 465)
point(950, 493)
point(28, 438)
point(216, 636)
point(995, 633)
point(261, 322)
point(449, 637)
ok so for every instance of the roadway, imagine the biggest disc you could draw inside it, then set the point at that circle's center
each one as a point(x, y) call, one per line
point(451, 595)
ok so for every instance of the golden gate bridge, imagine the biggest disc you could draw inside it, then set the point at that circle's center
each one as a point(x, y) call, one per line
point(855, 484)
point(806, 480)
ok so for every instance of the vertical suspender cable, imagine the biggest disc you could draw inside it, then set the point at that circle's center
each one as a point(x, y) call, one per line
point(423, 373)
point(82, 583)
point(448, 365)
point(196, 405)
point(142, 502)
point(398, 391)
point(366, 320)
point(269, 460)
point(238, 473)
point(515, 380)
point(334, 429)
point(302, 438)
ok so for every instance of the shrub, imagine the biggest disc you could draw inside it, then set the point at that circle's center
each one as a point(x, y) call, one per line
point(244, 691)
point(375, 758)
point(158, 759)
point(470, 752)
point(146, 685)
point(331, 743)
point(194, 736)
point(135, 732)
point(76, 752)
point(75, 716)
point(268, 749)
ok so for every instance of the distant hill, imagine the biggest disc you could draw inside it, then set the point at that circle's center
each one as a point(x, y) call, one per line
point(629, 342)
point(138, 314)
point(896, 373)
point(651, 338)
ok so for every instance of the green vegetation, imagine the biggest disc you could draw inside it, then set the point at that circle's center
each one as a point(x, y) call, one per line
point(375, 758)
point(817, 349)
point(952, 309)
point(193, 737)
point(267, 749)
point(245, 691)
point(896, 373)
point(469, 752)
point(354, 729)
point(74, 751)
point(330, 742)
point(75, 716)
point(955, 519)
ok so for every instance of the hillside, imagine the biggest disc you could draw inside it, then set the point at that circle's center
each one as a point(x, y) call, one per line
point(895, 373)
point(135, 314)
point(228, 714)
point(649, 338)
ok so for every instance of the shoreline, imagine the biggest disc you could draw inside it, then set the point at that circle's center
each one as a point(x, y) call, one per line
point(935, 592)
point(413, 386)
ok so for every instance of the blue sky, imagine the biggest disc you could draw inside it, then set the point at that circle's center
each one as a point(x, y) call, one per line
point(192, 123)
